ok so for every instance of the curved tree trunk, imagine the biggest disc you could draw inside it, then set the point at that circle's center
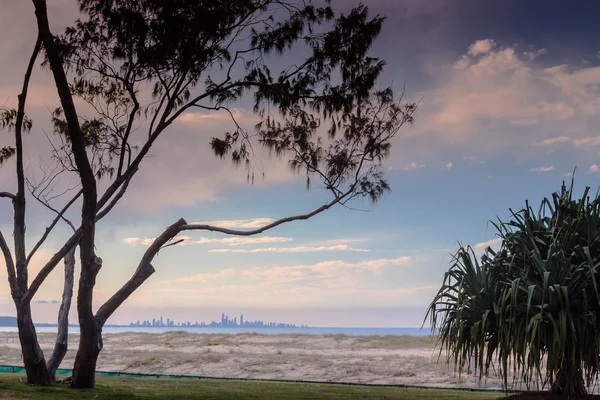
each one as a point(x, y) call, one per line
point(62, 338)
point(33, 357)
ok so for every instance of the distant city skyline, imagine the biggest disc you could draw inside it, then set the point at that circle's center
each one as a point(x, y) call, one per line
point(225, 322)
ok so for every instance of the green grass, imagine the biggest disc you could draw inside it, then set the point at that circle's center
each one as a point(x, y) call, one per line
point(14, 387)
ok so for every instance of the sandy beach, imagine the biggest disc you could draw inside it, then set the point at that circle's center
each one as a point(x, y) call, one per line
point(385, 360)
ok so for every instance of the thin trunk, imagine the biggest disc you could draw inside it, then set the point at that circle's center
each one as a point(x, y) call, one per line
point(33, 357)
point(90, 345)
point(62, 338)
point(90, 336)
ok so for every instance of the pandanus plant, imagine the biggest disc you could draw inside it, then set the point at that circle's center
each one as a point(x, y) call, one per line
point(533, 307)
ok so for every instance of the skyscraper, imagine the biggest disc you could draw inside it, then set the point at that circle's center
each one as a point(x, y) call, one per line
point(242, 320)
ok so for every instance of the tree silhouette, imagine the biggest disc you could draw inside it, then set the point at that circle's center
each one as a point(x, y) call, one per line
point(533, 306)
point(324, 115)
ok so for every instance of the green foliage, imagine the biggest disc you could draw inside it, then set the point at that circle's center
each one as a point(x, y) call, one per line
point(208, 54)
point(8, 120)
point(6, 153)
point(534, 306)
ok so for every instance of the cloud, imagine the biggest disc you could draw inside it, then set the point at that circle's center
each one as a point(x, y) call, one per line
point(335, 283)
point(542, 169)
point(287, 274)
point(229, 241)
point(489, 243)
point(241, 116)
point(47, 302)
point(334, 242)
point(594, 168)
point(237, 241)
point(448, 166)
point(473, 160)
point(132, 241)
point(587, 141)
point(410, 167)
point(553, 141)
point(493, 87)
point(481, 47)
point(299, 249)
point(576, 142)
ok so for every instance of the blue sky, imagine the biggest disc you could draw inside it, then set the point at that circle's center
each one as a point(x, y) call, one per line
point(510, 102)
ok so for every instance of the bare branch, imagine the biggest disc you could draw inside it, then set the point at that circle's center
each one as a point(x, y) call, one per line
point(102, 213)
point(50, 265)
point(7, 195)
point(202, 227)
point(64, 250)
point(143, 272)
point(19, 200)
point(175, 243)
point(10, 267)
point(145, 268)
point(59, 216)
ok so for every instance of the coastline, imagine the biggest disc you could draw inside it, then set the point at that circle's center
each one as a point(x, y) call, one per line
point(110, 329)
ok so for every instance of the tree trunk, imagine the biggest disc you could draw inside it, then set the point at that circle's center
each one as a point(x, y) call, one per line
point(90, 345)
point(33, 357)
point(90, 329)
point(62, 338)
point(569, 382)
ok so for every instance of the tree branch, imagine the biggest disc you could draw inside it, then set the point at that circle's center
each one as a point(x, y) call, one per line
point(8, 195)
point(50, 265)
point(64, 250)
point(143, 272)
point(19, 200)
point(102, 213)
point(202, 227)
point(59, 216)
point(10, 267)
point(145, 268)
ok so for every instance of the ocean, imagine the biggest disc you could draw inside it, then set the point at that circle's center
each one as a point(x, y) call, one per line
point(265, 331)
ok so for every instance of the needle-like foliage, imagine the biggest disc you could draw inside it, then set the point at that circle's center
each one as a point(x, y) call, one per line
point(532, 309)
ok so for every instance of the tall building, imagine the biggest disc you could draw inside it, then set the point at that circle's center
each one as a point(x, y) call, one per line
point(242, 320)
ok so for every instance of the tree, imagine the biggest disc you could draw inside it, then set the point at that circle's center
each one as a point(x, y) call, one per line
point(533, 306)
point(38, 370)
point(324, 114)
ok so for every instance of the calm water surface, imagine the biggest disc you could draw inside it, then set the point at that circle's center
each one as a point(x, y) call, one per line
point(264, 331)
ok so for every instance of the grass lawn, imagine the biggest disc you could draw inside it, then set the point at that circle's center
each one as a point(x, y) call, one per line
point(13, 387)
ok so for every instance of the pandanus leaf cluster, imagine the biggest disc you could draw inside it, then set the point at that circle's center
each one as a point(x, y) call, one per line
point(530, 310)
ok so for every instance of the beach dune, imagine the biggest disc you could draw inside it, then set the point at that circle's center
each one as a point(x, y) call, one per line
point(385, 360)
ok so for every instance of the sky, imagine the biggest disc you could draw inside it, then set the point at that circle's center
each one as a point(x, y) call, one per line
point(509, 96)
